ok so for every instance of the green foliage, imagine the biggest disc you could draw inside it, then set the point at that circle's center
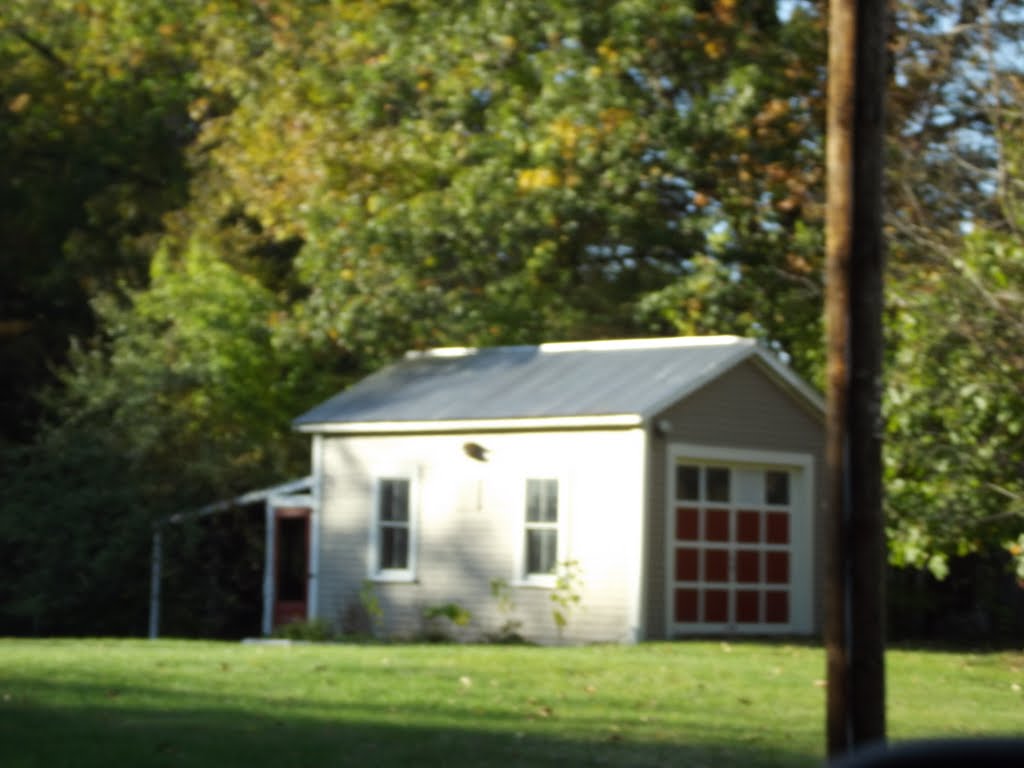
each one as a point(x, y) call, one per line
point(315, 631)
point(1016, 549)
point(451, 612)
point(454, 612)
point(212, 575)
point(475, 174)
point(954, 412)
point(508, 632)
point(179, 405)
point(566, 596)
point(955, 417)
point(502, 594)
point(74, 537)
point(370, 602)
point(94, 127)
point(190, 377)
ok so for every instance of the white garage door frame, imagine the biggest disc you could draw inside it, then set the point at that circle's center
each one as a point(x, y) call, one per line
point(800, 467)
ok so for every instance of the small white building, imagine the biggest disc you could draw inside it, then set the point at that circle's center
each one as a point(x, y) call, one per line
point(679, 478)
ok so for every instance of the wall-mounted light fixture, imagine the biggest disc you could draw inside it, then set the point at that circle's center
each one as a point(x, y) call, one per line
point(475, 451)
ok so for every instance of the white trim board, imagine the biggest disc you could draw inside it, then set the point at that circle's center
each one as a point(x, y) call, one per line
point(250, 497)
point(621, 420)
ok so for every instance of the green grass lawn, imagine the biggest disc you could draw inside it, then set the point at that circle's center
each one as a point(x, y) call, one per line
point(171, 703)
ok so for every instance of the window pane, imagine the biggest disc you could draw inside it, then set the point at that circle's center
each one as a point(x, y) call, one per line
point(401, 500)
point(541, 501)
point(718, 484)
point(541, 550)
point(532, 501)
point(394, 500)
point(776, 487)
point(687, 483)
point(747, 486)
point(550, 501)
point(394, 548)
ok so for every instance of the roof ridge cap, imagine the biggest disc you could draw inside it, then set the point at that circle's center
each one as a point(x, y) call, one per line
point(656, 342)
point(418, 354)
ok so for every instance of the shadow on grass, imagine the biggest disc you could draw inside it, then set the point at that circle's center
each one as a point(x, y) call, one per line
point(946, 645)
point(93, 726)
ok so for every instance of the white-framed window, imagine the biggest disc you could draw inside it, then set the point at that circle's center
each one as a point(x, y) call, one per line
point(543, 530)
point(393, 533)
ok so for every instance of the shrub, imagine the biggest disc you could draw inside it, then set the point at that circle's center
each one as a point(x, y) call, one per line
point(315, 631)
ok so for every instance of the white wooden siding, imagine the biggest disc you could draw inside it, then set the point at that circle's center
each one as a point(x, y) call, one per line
point(470, 525)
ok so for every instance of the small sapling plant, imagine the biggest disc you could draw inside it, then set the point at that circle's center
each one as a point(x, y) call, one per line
point(566, 596)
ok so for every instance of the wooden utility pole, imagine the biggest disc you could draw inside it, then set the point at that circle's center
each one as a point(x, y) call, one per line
point(855, 556)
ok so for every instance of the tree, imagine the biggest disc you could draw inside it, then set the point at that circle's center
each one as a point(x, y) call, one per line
point(93, 97)
point(475, 173)
point(954, 417)
point(184, 400)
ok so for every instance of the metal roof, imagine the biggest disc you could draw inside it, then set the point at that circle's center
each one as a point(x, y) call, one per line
point(579, 380)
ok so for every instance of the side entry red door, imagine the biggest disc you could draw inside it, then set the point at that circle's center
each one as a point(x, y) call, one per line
point(291, 564)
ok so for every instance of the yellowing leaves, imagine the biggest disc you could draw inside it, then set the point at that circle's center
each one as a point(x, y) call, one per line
point(606, 52)
point(714, 49)
point(613, 117)
point(772, 111)
point(199, 108)
point(566, 131)
point(533, 179)
point(798, 264)
point(725, 11)
point(19, 102)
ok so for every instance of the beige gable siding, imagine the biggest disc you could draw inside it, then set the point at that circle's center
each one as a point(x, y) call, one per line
point(744, 409)
point(470, 528)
